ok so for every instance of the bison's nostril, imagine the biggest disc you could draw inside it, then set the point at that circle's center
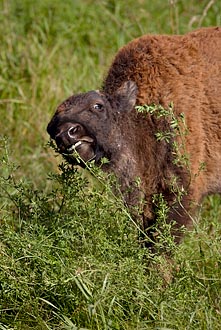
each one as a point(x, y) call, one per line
point(72, 131)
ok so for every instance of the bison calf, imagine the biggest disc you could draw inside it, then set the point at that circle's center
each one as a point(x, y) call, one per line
point(153, 69)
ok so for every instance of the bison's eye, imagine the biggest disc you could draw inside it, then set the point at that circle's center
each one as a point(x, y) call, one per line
point(98, 106)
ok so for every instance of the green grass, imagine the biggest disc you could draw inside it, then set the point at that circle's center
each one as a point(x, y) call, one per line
point(70, 258)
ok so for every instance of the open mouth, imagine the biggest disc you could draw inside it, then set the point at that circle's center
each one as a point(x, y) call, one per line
point(84, 149)
point(82, 152)
point(76, 144)
point(74, 147)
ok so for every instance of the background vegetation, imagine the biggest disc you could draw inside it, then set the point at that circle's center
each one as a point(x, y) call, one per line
point(70, 258)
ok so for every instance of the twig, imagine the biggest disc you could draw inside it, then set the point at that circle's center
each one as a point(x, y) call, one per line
point(11, 101)
point(205, 11)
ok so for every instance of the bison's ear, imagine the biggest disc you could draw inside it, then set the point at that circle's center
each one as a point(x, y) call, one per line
point(127, 95)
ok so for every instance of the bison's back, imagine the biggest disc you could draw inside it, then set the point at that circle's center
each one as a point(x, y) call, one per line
point(208, 41)
point(185, 70)
point(160, 64)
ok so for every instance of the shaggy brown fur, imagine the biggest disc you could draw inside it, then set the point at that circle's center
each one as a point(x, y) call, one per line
point(159, 69)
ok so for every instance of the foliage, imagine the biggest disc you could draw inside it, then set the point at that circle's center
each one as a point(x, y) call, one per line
point(176, 132)
point(70, 259)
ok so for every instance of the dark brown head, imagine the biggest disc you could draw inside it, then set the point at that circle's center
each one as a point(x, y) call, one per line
point(90, 123)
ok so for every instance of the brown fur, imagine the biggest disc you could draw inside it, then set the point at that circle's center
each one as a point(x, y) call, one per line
point(159, 69)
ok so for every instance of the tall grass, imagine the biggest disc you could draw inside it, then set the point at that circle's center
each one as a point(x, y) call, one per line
point(70, 257)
